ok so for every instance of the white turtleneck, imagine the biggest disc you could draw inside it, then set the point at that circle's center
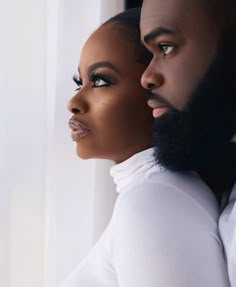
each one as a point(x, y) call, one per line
point(163, 232)
point(228, 233)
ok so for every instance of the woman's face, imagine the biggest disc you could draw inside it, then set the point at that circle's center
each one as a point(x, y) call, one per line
point(110, 119)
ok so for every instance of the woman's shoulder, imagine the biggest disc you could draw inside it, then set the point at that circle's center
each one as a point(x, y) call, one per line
point(170, 192)
point(163, 222)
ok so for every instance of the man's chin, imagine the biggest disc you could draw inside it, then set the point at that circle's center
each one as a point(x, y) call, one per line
point(170, 137)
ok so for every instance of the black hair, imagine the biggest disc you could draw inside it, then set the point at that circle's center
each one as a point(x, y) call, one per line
point(223, 12)
point(128, 22)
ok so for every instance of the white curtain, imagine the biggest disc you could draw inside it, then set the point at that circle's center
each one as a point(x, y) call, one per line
point(53, 206)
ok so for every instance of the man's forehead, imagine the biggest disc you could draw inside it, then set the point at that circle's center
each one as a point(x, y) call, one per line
point(152, 18)
point(159, 7)
point(172, 14)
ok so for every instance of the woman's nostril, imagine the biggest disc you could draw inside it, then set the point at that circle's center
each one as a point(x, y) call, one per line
point(75, 111)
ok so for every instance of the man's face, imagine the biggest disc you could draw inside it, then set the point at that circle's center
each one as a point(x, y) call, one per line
point(183, 40)
point(191, 82)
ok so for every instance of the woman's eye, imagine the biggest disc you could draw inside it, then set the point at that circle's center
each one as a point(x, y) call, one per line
point(166, 48)
point(99, 82)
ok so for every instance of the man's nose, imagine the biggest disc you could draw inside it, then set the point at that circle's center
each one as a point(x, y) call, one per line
point(152, 78)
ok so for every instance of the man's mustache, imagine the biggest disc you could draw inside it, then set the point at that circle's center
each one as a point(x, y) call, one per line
point(160, 99)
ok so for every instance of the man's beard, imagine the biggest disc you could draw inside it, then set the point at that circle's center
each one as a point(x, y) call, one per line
point(191, 139)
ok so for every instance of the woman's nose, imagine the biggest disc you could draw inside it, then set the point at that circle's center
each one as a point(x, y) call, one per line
point(152, 77)
point(77, 105)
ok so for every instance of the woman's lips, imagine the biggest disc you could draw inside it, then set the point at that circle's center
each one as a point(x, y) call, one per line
point(78, 130)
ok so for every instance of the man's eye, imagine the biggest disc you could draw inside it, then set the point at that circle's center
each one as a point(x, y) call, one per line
point(166, 48)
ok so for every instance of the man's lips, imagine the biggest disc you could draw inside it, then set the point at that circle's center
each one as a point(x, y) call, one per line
point(79, 130)
point(158, 108)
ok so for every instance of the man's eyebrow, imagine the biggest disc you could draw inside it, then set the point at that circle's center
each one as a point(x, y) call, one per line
point(103, 64)
point(156, 33)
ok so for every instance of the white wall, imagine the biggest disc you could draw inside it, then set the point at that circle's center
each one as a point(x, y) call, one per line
point(4, 192)
point(24, 141)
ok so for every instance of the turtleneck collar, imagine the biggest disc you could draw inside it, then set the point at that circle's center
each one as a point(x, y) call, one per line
point(134, 168)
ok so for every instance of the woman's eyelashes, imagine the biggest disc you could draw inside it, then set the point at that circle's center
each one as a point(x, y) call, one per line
point(78, 82)
point(98, 80)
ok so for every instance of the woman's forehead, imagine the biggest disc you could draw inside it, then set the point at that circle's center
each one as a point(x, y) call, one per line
point(105, 44)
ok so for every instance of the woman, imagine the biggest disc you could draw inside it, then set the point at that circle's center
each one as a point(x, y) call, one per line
point(163, 231)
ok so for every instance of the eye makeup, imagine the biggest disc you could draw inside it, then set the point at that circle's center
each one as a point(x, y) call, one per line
point(102, 78)
point(97, 79)
point(79, 82)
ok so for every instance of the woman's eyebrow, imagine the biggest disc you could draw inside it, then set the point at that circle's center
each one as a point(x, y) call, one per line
point(103, 64)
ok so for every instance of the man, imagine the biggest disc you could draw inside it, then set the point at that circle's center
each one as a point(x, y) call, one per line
point(193, 93)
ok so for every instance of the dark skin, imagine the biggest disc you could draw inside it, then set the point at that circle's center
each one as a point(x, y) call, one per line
point(189, 32)
point(110, 100)
point(190, 39)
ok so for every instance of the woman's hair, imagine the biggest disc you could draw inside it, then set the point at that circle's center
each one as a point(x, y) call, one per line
point(128, 22)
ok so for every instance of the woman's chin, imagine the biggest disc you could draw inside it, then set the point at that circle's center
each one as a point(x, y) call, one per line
point(83, 154)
